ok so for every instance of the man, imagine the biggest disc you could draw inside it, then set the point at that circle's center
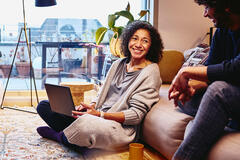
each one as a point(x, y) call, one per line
point(211, 93)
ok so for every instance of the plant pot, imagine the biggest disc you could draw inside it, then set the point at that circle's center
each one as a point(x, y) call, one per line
point(23, 68)
point(5, 69)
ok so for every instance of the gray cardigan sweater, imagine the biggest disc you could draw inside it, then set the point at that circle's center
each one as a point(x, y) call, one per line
point(139, 98)
point(136, 102)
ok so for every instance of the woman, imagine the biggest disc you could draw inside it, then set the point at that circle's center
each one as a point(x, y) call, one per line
point(130, 90)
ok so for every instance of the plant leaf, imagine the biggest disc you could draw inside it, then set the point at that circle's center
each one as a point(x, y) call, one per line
point(125, 14)
point(100, 34)
point(128, 7)
point(143, 13)
point(116, 18)
point(119, 30)
point(111, 20)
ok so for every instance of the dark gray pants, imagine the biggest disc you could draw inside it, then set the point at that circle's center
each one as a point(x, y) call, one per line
point(212, 110)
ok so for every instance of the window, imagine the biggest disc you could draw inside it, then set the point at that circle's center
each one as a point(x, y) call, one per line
point(56, 31)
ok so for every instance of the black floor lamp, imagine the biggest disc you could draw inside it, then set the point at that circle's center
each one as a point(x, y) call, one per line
point(38, 3)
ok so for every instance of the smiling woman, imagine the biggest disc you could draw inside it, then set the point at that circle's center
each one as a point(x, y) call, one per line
point(129, 91)
point(139, 44)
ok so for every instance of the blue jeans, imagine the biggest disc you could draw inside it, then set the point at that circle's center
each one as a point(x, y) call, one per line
point(212, 112)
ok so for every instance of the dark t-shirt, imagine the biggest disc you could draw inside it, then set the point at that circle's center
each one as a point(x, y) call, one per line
point(224, 57)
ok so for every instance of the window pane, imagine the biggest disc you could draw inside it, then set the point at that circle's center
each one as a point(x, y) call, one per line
point(65, 31)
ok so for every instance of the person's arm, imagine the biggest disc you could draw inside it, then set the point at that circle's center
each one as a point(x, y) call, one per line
point(180, 82)
point(141, 102)
point(180, 90)
point(90, 109)
point(220, 66)
point(197, 85)
point(196, 73)
point(227, 71)
point(117, 116)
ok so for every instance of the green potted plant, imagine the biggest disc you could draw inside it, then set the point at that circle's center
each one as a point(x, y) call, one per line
point(117, 30)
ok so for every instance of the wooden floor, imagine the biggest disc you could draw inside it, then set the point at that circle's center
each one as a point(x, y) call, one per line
point(152, 154)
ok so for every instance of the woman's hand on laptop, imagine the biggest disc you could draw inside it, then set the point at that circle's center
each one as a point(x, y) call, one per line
point(80, 108)
point(85, 109)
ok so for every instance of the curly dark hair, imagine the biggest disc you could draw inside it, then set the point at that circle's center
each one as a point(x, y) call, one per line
point(155, 51)
point(210, 3)
point(221, 5)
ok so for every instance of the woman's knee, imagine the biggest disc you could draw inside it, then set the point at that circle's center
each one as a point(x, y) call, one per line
point(43, 106)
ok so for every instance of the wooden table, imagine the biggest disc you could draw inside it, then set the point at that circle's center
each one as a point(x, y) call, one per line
point(77, 90)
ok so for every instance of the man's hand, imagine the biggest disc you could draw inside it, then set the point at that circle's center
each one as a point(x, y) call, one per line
point(180, 82)
point(182, 97)
point(85, 109)
point(181, 90)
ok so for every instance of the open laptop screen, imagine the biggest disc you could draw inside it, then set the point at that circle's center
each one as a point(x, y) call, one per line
point(60, 99)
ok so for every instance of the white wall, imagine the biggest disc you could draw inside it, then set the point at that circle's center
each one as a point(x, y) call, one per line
point(181, 24)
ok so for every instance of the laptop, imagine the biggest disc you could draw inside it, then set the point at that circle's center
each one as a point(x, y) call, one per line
point(60, 99)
